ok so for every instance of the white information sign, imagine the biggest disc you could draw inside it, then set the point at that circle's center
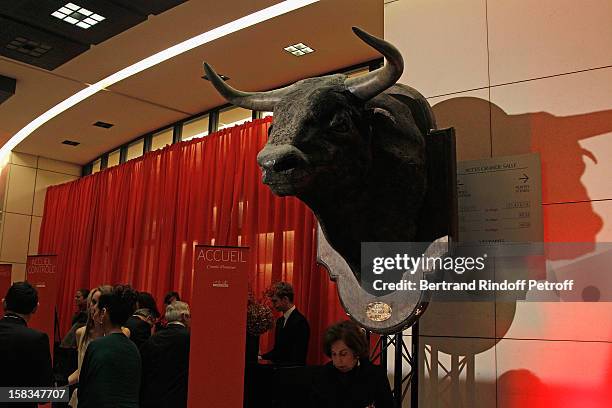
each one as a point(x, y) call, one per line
point(500, 199)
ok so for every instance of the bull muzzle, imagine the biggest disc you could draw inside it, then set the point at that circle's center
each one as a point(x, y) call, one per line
point(284, 168)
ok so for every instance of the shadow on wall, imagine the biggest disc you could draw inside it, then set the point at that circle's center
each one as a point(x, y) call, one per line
point(468, 329)
point(522, 388)
point(557, 140)
point(457, 387)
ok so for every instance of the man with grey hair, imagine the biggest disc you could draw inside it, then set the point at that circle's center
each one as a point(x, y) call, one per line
point(165, 361)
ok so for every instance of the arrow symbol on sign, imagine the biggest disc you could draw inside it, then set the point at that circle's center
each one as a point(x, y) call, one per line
point(524, 178)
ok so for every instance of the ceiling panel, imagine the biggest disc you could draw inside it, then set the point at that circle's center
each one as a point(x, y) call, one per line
point(147, 6)
point(130, 117)
point(36, 47)
point(38, 13)
point(156, 34)
point(57, 31)
point(254, 58)
point(36, 91)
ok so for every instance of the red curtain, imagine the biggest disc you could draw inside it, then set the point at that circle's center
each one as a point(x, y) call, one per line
point(138, 223)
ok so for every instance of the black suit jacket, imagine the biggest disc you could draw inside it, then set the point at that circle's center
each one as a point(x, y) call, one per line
point(25, 357)
point(140, 331)
point(291, 341)
point(165, 368)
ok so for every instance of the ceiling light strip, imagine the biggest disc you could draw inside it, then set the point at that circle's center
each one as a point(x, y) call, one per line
point(201, 39)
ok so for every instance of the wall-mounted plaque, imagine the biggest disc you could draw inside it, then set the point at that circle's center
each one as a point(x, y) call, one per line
point(500, 199)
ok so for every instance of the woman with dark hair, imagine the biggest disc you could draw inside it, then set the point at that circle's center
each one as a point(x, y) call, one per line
point(85, 335)
point(147, 301)
point(78, 320)
point(350, 380)
point(111, 370)
point(171, 297)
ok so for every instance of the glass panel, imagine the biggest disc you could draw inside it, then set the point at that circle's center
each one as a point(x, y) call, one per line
point(96, 166)
point(234, 116)
point(135, 149)
point(161, 139)
point(113, 158)
point(195, 128)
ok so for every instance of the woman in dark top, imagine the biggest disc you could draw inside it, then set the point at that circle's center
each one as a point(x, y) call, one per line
point(350, 380)
point(111, 370)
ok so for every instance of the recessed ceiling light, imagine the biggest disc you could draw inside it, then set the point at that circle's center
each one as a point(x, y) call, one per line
point(70, 143)
point(28, 47)
point(77, 15)
point(103, 125)
point(299, 49)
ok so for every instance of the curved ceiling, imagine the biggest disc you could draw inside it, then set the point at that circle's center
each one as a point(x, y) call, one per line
point(253, 58)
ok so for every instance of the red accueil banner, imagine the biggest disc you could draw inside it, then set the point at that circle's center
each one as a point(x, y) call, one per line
point(41, 272)
point(5, 283)
point(218, 327)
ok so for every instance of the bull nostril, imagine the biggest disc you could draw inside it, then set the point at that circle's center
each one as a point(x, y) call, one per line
point(268, 164)
point(287, 163)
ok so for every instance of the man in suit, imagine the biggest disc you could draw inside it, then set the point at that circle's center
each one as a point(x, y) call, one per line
point(140, 325)
point(24, 352)
point(165, 361)
point(292, 329)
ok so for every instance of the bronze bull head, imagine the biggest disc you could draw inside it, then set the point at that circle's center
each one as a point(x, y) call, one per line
point(352, 149)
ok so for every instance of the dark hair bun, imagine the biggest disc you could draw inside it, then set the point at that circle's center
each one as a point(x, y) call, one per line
point(126, 294)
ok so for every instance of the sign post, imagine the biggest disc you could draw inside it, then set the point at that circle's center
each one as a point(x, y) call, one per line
point(218, 327)
point(41, 272)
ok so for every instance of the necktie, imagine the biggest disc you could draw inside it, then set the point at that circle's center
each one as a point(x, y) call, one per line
point(281, 322)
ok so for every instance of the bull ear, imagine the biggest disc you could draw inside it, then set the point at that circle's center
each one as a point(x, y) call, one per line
point(368, 86)
point(259, 101)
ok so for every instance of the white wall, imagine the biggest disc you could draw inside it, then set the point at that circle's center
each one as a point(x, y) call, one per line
point(26, 182)
point(518, 76)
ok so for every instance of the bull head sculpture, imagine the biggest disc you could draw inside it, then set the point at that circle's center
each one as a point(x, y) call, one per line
point(353, 149)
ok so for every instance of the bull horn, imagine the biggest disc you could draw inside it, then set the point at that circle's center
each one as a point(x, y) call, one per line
point(368, 86)
point(258, 101)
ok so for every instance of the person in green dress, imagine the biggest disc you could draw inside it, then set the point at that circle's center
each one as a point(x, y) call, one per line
point(111, 370)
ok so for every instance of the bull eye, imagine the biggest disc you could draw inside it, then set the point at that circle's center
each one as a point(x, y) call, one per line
point(339, 124)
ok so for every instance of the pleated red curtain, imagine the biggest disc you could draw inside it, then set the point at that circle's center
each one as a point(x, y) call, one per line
point(139, 222)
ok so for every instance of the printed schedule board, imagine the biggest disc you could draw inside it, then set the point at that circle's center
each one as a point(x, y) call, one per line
point(218, 327)
point(41, 272)
point(5, 283)
point(500, 199)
